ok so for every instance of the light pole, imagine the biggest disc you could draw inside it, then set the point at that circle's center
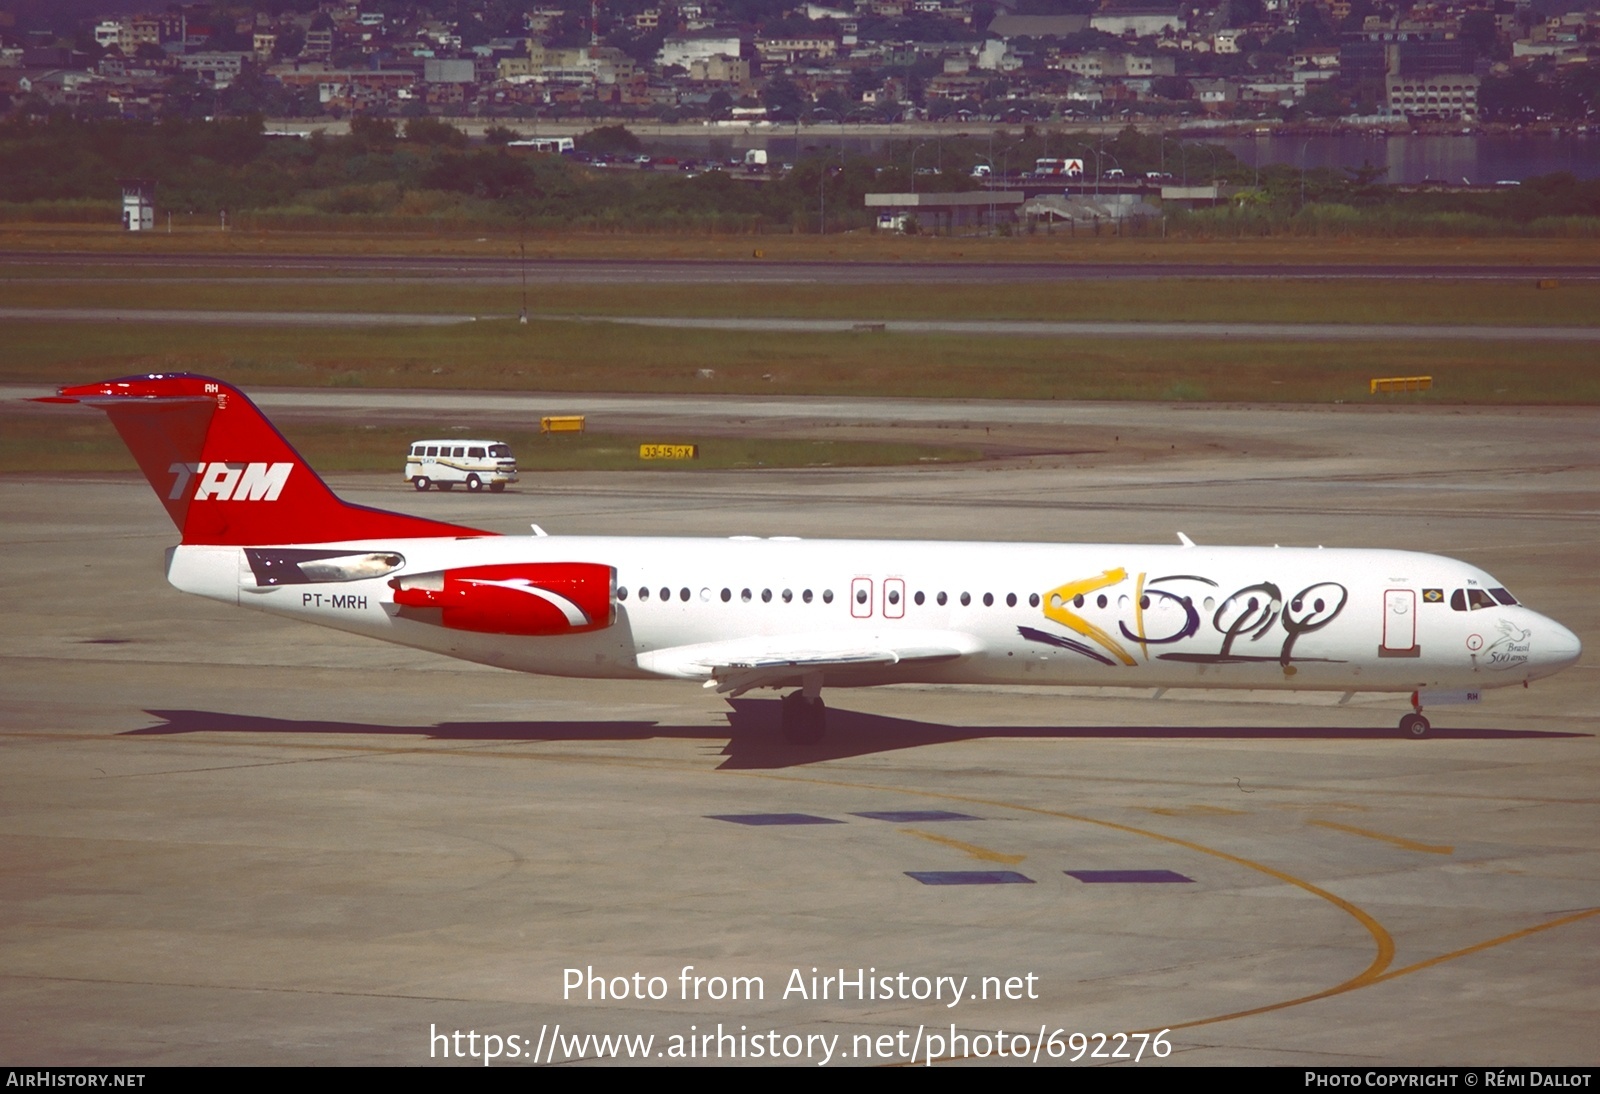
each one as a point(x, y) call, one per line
point(822, 197)
point(1096, 152)
point(989, 183)
point(1119, 191)
point(1301, 158)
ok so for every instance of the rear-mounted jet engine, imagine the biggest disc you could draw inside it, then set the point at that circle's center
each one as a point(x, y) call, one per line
point(527, 598)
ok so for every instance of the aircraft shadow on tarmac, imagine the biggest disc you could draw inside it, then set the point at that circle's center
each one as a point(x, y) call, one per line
point(752, 739)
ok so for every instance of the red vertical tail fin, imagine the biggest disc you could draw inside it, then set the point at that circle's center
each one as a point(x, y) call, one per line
point(226, 475)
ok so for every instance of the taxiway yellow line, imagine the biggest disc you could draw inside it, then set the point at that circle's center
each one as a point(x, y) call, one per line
point(1383, 941)
point(1489, 944)
point(1398, 841)
point(972, 849)
point(1377, 970)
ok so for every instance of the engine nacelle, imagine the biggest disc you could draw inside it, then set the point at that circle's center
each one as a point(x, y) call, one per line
point(528, 598)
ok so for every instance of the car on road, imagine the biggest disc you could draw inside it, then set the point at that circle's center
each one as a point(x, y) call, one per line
point(473, 464)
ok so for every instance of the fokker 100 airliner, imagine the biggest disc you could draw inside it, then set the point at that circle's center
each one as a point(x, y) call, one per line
point(260, 529)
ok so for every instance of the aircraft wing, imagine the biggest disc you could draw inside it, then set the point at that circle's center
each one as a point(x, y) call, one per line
point(735, 667)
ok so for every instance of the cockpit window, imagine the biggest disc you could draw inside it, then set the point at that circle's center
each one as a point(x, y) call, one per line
point(1503, 597)
point(1470, 600)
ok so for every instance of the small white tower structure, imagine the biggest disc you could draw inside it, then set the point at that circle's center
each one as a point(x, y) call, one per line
point(138, 204)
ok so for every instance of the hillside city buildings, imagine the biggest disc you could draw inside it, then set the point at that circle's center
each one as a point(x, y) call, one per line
point(1449, 62)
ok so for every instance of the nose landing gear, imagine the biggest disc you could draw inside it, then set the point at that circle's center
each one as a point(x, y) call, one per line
point(1414, 724)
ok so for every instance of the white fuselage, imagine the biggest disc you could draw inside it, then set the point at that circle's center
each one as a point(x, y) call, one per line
point(993, 613)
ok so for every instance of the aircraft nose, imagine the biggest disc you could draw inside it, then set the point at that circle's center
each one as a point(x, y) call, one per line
point(1557, 647)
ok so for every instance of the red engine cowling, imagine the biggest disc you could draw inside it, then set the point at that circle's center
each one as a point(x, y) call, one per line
point(531, 598)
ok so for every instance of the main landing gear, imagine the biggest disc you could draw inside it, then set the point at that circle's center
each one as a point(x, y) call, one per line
point(805, 718)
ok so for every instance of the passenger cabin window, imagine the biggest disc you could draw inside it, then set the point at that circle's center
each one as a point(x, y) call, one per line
point(461, 452)
point(433, 450)
point(475, 453)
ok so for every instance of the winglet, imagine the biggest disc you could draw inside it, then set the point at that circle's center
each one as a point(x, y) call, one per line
point(1185, 540)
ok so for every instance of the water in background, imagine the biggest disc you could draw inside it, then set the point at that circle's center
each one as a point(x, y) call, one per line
point(1408, 158)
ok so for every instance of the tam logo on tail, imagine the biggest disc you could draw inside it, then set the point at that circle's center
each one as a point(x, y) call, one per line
point(230, 481)
point(179, 427)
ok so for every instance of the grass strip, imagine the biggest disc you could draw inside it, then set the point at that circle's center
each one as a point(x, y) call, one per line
point(1165, 300)
point(600, 357)
point(204, 238)
point(64, 441)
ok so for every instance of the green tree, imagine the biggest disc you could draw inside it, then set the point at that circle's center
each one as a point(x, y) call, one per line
point(863, 80)
point(291, 40)
point(783, 99)
point(432, 131)
point(372, 133)
point(613, 139)
point(184, 96)
point(495, 175)
point(1479, 28)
